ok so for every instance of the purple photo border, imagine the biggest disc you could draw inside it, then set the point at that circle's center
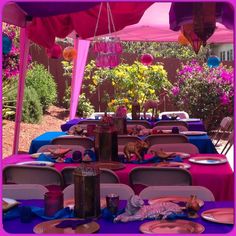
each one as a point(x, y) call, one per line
point(3, 2)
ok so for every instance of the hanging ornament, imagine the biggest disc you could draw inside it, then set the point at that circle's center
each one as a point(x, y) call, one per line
point(55, 51)
point(6, 44)
point(69, 53)
point(194, 40)
point(213, 61)
point(183, 40)
point(204, 20)
point(107, 48)
point(147, 59)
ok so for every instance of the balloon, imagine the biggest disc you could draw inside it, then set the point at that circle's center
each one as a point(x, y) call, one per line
point(147, 59)
point(213, 61)
point(6, 44)
point(69, 53)
point(183, 40)
point(54, 52)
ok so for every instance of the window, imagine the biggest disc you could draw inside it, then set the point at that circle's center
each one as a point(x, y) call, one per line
point(223, 56)
point(228, 56)
point(231, 55)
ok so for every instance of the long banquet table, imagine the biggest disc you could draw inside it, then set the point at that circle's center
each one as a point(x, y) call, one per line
point(15, 226)
point(203, 142)
point(218, 178)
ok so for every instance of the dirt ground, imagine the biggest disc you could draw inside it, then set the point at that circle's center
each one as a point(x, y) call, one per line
point(51, 121)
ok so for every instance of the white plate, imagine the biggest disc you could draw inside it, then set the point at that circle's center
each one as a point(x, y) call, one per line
point(36, 163)
point(207, 160)
point(10, 203)
point(193, 132)
point(37, 154)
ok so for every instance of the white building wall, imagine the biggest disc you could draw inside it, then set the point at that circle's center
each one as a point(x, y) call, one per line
point(224, 51)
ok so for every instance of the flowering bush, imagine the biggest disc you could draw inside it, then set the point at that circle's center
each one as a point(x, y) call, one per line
point(204, 92)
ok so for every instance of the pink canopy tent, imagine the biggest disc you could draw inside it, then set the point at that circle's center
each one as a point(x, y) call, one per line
point(153, 26)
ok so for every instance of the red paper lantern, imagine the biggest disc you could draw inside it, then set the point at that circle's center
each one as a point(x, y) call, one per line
point(55, 51)
point(147, 59)
point(183, 40)
point(194, 40)
point(69, 53)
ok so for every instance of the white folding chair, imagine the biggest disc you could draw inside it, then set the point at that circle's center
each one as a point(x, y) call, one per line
point(229, 144)
point(159, 176)
point(23, 191)
point(153, 192)
point(123, 190)
point(180, 114)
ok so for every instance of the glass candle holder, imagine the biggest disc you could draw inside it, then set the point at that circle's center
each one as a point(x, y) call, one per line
point(53, 202)
point(112, 201)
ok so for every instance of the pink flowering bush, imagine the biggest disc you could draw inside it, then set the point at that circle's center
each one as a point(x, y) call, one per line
point(204, 92)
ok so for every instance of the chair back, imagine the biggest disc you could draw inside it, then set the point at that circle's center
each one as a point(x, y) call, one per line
point(159, 176)
point(226, 123)
point(23, 174)
point(180, 114)
point(170, 127)
point(153, 192)
point(23, 191)
point(166, 138)
point(148, 115)
point(175, 147)
point(229, 143)
point(99, 115)
point(173, 123)
point(123, 190)
point(85, 142)
point(72, 148)
point(106, 175)
point(88, 122)
point(139, 122)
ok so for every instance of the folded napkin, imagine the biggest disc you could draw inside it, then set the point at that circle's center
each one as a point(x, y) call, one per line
point(37, 211)
point(175, 216)
point(72, 223)
point(43, 157)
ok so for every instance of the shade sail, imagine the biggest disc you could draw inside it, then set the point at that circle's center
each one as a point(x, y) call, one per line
point(154, 26)
point(44, 30)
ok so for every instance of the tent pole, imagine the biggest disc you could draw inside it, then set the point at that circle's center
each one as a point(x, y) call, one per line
point(82, 48)
point(24, 52)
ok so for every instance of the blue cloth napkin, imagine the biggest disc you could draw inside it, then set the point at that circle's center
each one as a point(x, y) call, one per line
point(72, 223)
point(107, 215)
point(37, 211)
point(43, 157)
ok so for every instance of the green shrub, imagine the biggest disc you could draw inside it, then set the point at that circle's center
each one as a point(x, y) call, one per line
point(84, 109)
point(42, 81)
point(32, 109)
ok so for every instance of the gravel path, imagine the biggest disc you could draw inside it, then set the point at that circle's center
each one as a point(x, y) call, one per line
point(51, 122)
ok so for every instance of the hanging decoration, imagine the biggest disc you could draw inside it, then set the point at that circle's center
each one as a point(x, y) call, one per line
point(183, 40)
point(204, 20)
point(194, 40)
point(108, 48)
point(213, 61)
point(147, 59)
point(6, 44)
point(55, 51)
point(69, 53)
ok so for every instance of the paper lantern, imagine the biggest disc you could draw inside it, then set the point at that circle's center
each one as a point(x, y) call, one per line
point(54, 52)
point(183, 40)
point(204, 20)
point(213, 61)
point(147, 59)
point(69, 53)
point(194, 40)
point(6, 44)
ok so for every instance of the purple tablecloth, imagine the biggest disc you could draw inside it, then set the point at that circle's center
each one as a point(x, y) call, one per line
point(14, 226)
point(192, 125)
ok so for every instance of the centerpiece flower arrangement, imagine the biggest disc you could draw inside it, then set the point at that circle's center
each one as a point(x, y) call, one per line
point(204, 92)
